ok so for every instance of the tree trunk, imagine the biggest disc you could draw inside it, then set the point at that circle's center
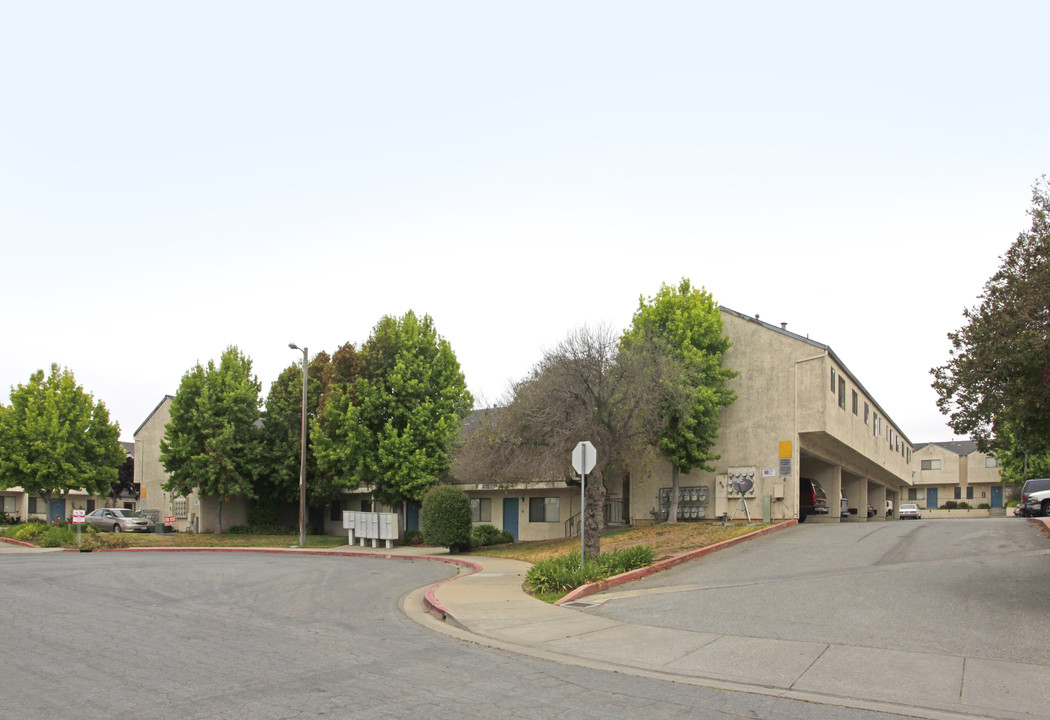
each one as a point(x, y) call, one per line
point(672, 508)
point(594, 514)
point(219, 520)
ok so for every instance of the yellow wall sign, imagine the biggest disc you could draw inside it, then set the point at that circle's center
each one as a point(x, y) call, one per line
point(785, 449)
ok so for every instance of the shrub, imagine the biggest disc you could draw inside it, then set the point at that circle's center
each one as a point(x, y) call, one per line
point(412, 537)
point(445, 517)
point(949, 505)
point(964, 506)
point(483, 535)
point(57, 537)
point(984, 506)
point(562, 574)
point(102, 541)
point(30, 531)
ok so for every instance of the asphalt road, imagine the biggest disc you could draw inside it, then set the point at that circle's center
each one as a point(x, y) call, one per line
point(267, 637)
point(971, 588)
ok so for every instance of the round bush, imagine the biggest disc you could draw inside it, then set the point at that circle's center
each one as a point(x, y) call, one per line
point(445, 517)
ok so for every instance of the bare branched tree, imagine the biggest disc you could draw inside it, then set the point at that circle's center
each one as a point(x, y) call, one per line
point(586, 388)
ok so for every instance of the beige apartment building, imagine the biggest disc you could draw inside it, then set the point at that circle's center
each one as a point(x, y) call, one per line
point(193, 513)
point(800, 412)
point(954, 471)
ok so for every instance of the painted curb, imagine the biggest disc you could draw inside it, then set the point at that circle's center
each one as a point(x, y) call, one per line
point(590, 589)
point(20, 543)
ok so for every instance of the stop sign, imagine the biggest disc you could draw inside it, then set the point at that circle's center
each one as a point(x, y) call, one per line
point(583, 457)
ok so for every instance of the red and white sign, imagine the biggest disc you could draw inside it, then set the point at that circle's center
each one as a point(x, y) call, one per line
point(78, 517)
point(170, 519)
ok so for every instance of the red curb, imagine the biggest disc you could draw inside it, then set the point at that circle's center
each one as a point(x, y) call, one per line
point(590, 589)
point(1044, 522)
point(16, 542)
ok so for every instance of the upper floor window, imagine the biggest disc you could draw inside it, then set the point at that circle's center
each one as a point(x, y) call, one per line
point(856, 402)
point(990, 461)
point(867, 413)
point(934, 464)
point(833, 380)
point(842, 393)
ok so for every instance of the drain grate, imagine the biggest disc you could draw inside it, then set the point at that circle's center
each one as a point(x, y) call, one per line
point(580, 604)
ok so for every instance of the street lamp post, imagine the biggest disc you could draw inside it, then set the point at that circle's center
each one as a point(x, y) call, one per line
point(302, 454)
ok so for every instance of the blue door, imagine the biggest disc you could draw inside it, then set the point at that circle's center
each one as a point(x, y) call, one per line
point(931, 498)
point(510, 516)
point(412, 516)
point(997, 495)
point(58, 507)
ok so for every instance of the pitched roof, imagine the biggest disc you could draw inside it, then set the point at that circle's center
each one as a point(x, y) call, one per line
point(959, 447)
point(166, 398)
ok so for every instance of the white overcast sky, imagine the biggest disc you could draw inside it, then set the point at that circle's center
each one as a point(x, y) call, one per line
point(179, 177)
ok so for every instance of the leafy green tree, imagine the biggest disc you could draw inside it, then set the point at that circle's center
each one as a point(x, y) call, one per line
point(282, 436)
point(212, 444)
point(1015, 464)
point(997, 378)
point(685, 323)
point(54, 438)
point(445, 517)
point(394, 427)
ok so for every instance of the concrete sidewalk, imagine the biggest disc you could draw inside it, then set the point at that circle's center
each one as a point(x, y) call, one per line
point(486, 604)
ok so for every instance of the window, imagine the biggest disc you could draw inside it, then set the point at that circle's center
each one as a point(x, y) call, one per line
point(366, 506)
point(969, 493)
point(7, 505)
point(958, 493)
point(876, 426)
point(856, 402)
point(909, 456)
point(36, 506)
point(990, 461)
point(917, 494)
point(481, 510)
point(867, 413)
point(842, 393)
point(335, 510)
point(90, 505)
point(833, 380)
point(544, 509)
point(931, 464)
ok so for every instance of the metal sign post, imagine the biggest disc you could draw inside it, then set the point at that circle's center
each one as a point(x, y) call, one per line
point(584, 457)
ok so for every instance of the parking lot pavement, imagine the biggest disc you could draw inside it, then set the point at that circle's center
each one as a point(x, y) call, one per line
point(721, 621)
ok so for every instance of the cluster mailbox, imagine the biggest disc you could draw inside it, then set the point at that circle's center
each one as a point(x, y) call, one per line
point(371, 526)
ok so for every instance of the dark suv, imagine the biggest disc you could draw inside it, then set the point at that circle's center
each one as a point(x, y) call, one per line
point(1035, 497)
point(811, 499)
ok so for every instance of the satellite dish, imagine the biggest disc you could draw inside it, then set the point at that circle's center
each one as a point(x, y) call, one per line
point(743, 485)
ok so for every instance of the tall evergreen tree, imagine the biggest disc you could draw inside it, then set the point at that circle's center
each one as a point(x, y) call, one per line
point(997, 378)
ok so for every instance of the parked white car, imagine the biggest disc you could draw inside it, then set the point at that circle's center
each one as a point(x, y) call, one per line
point(909, 510)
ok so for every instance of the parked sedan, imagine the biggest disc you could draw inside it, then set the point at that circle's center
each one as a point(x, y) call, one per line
point(119, 520)
point(909, 510)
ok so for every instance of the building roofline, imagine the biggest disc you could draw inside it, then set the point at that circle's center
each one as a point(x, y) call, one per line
point(831, 353)
point(152, 413)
